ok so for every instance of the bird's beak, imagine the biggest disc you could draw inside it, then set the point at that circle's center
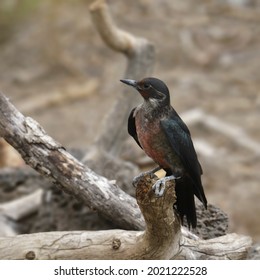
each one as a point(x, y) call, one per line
point(132, 83)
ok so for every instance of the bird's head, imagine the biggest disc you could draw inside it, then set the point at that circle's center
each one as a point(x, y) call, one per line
point(152, 90)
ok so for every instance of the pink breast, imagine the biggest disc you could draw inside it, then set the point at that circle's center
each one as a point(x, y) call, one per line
point(151, 142)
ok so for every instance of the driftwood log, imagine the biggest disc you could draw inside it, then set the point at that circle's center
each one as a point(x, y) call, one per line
point(159, 241)
point(162, 238)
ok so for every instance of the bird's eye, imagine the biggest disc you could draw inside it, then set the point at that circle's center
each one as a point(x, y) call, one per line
point(146, 86)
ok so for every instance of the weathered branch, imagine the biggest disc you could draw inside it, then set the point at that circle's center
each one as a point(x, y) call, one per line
point(227, 247)
point(114, 37)
point(140, 61)
point(50, 159)
point(117, 244)
point(160, 240)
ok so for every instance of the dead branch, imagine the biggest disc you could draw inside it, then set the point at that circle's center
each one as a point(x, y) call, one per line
point(50, 159)
point(160, 240)
point(117, 244)
point(140, 60)
point(114, 37)
point(228, 247)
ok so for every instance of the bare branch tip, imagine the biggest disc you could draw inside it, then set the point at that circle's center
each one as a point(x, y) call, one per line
point(97, 5)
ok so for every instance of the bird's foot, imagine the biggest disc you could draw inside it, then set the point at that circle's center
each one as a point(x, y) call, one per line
point(143, 174)
point(160, 185)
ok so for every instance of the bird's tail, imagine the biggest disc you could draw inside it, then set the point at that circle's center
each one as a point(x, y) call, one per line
point(185, 200)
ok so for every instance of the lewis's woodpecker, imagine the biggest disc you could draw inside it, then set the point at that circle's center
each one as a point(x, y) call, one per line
point(161, 133)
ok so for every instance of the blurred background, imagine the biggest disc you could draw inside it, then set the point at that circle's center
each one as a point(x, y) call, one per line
point(55, 68)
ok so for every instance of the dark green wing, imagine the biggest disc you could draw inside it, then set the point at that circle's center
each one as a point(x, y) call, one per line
point(179, 137)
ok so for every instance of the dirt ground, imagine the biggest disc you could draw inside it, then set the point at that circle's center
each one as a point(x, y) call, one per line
point(206, 51)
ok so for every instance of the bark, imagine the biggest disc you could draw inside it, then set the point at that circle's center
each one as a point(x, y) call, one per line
point(161, 240)
point(119, 244)
point(50, 159)
point(227, 247)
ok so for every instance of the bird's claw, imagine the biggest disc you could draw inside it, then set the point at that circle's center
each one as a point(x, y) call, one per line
point(160, 185)
point(143, 174)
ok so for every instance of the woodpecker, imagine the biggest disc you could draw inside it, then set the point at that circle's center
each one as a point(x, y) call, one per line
point(162, 134)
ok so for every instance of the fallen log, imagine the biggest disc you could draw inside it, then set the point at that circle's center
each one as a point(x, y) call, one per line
point(162, 238)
